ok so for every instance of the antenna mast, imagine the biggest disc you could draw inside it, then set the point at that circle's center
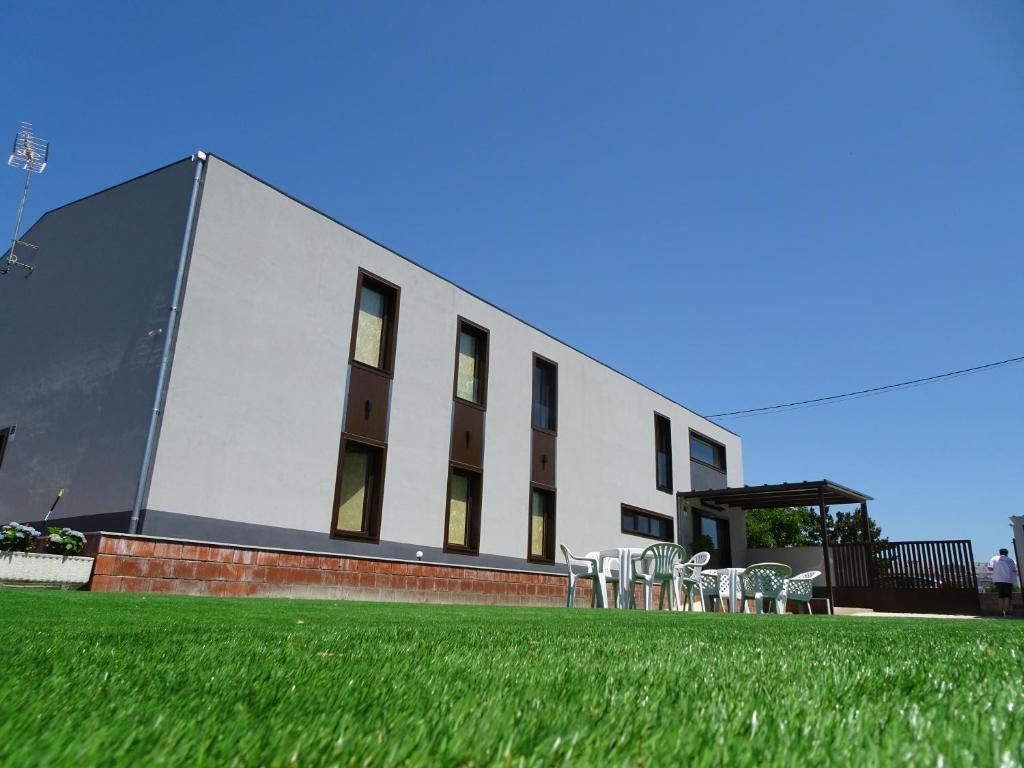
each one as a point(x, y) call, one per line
point(28, 154)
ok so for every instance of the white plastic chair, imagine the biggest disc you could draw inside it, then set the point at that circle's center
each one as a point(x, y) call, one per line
point(610, 573)
point(688, 576)
point(708, 589)
point(601, 578)
point(657, 565)
point(764, 580)
point(799, 588)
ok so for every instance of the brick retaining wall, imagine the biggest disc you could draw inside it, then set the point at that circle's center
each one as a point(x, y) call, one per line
point(146, 564)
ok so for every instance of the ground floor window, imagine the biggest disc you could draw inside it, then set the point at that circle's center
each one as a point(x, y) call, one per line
point(712, 534)
point(542, 525)
point(358, 491)
point(462, 520)
point(642, 522)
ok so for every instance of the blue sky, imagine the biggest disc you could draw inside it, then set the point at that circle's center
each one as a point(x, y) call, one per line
point(737, 204)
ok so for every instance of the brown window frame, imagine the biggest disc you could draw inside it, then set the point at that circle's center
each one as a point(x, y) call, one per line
point(389, 333)
point(662, 422)
point(473, 521)
point(549, 545)
point(372, 532)
point(533, 397)
point(483, 360)
point(624, 508)
point(717, 446)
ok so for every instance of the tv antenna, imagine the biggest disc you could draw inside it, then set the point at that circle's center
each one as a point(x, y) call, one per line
point(29, 154)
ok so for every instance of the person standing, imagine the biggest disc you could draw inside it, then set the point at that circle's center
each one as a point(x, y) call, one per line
point(1004, 572)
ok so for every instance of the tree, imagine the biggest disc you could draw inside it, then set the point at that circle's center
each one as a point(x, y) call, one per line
point(848, 529)
point(801, 527)
point(781, 527)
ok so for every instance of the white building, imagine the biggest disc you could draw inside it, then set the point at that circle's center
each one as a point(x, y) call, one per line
point(320, 392)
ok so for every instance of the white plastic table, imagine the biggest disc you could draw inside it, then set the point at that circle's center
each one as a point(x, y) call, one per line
point(730, 577)
point(626, 556)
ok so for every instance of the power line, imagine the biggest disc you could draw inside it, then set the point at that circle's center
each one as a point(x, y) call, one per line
point(864, 392)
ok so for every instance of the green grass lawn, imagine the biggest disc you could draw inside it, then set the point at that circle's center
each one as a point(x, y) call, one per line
point(111, 680)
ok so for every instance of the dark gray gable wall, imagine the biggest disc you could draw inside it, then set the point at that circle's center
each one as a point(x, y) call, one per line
point(77, 364)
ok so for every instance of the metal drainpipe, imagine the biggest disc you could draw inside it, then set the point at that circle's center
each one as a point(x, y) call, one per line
point(172, 326)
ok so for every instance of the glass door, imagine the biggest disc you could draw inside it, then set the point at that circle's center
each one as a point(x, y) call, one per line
point(713, 533)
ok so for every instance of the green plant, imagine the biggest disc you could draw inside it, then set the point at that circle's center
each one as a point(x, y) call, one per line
point(15, 537)
point(703, 543)
point(782, 527)
point(64, 541)
point(801, 527)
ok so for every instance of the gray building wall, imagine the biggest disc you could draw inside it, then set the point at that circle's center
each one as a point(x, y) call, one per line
point(249, 445)
point(703, 477)
point(78, 367)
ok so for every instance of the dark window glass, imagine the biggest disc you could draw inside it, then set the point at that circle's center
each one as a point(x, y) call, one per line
point(717, 531)
point(471, 364)
point(650, 524)
point(463, 518)
point(709, 528)
point(358, 493)
point(373, 333)
point(4, 437)
point(542, 525)
point(545, 395)
point(705, 451)
point(663, 452)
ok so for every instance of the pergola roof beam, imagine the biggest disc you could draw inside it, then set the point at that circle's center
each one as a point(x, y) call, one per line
point(803, 494)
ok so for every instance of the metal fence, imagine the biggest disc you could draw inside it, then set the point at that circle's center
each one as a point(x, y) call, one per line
point(912, 576)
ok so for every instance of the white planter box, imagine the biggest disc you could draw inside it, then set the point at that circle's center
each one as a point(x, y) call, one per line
point(30, 569)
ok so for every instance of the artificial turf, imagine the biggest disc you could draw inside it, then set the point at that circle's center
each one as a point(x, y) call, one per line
point(124, 680)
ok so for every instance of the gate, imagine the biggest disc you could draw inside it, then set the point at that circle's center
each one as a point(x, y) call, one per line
point(906, 576)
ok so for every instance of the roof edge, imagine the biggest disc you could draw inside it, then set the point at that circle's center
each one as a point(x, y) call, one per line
point(775, 488)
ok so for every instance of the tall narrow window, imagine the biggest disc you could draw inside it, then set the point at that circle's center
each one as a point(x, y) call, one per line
point(471, 363)
point(466, 449)
point(716, 531)
point(707, 451)
point(540, 544)
point(373, 333)
point(358, 495)
point(545, 395)
point(362, 456)
point(542, 525)
point(463, 520)
point(663, 453)
point(5, 435)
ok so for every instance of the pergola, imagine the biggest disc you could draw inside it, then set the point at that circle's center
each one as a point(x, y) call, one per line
point(809, 493)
